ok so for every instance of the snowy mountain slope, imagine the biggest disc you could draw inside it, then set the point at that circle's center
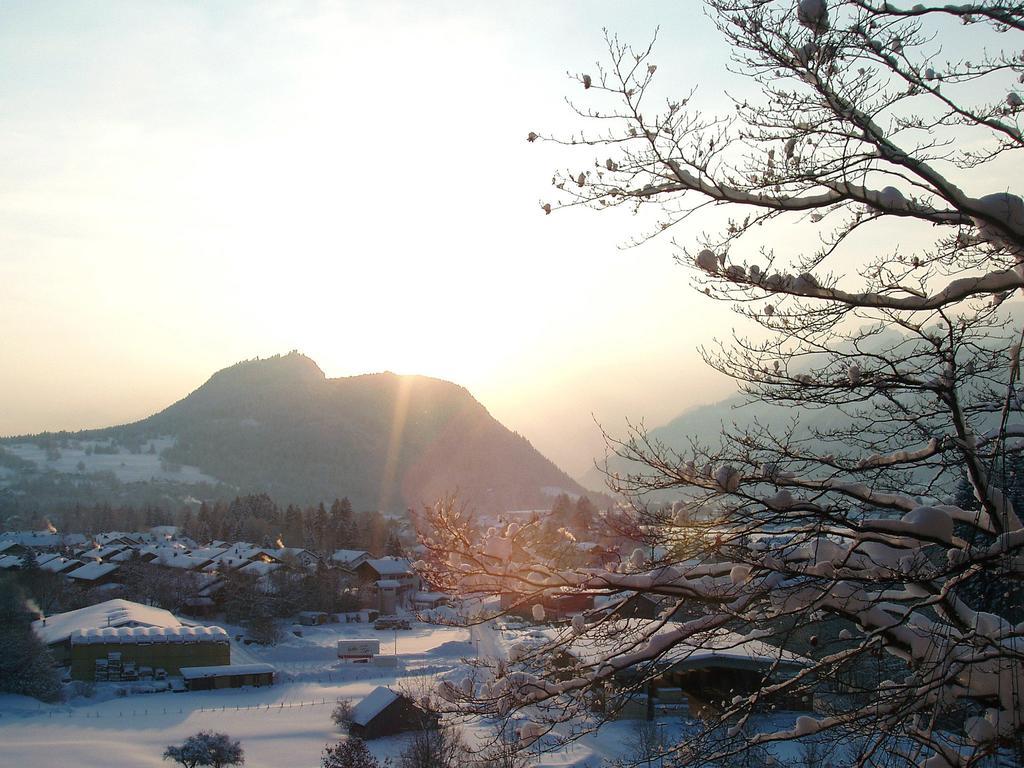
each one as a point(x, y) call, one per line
point(280, 426)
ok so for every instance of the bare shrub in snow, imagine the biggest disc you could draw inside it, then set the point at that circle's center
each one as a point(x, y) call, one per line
point(342, 713)
point(350, 753)
point(859, 222)
point(206, 749)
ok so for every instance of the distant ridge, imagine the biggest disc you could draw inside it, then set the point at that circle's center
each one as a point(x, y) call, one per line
point(388, 442)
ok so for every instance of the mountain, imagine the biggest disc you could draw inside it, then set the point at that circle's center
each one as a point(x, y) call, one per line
point(279, 425)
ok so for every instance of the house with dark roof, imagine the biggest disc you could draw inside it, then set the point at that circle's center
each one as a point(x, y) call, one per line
point(385, 712)
point(393, 580)
point(349, 559)
point(296, 556)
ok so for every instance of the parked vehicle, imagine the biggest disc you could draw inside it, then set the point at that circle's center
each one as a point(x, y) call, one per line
point(391, 622)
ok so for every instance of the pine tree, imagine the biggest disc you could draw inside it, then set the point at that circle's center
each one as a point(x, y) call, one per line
point(321, 529)
point(26, 666)
point(342, 525)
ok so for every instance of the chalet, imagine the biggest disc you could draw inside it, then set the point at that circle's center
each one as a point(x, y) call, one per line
point(107, 551)
point(95, 573)
point(394, 580)
point(234, 557)
point(59, 564)
point(11, 562)
point(349, 559)
point(89, 555)
point(425, 601)
point(385, 713)
point(559, 605)
point(207, 553)
point(637, 605)
point(11, 547)
point(121, 538)
point(170, 557)
point(292, 555)
point(701, 673)
point(260, 568)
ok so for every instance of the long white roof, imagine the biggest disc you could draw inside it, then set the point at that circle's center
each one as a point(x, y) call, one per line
point(92, 571)
point(391, 566)
point(191, 673)
point(627, 636)
point(112, 613)
point(147, 635)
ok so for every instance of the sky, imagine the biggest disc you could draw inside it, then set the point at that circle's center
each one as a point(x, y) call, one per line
point(187, 185)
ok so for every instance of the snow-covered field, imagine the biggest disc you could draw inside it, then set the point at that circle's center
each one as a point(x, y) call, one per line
point(127, 467)
point(283, 725)
point(287, 724)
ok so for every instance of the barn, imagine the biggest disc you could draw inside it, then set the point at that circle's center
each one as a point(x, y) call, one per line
point(56, 630)
point(385, 712)
point(130, 653)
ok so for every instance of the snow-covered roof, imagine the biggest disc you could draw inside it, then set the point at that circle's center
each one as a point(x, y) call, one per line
point(208, 552)
point(259, 568)
point(236, 554)
point(722, 647)
point(41, 539)
point(5, 545)
point(429, 597)
point(58, 564)
point(112, 613)
point(174, 558)
point(372, 705)
point(282, 552)
point(390, 566)
point(148, 635)
point(109, 550)
point(350, 557)
point(112, 536)
point(389, 584)
point(9, 561)
point(92, 571)
point(193, 673)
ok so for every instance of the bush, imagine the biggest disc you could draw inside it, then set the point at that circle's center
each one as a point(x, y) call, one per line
point(206, 748)
point(342, 714)
point(350, 753)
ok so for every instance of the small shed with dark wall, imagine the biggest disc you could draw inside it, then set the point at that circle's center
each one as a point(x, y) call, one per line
point(227, 676)
point(384, 713)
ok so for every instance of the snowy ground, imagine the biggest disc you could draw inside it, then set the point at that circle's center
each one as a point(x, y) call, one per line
point(284, 725)
point(287, 724)
point(127, 467)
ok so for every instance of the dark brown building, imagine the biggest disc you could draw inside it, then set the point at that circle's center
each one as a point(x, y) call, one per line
point(384, 713)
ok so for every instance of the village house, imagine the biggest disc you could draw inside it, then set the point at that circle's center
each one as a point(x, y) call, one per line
point(393, 579)
point(384, 712)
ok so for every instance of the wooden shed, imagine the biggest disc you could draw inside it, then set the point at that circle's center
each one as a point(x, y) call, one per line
point(227, 676)
point(385, 712)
